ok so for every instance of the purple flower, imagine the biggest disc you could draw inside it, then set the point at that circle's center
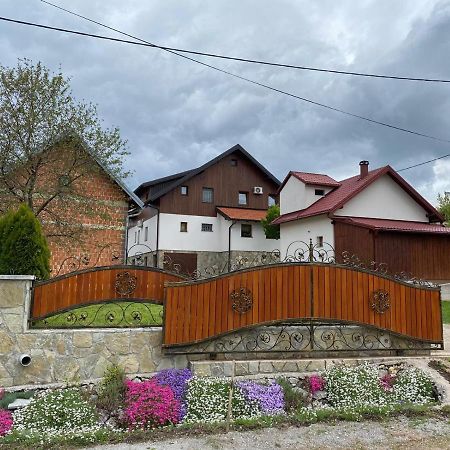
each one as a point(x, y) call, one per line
point(176, 379)
point(269, 398)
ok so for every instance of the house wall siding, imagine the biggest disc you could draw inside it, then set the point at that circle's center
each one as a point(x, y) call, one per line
point(384, 199)
point(227, 181)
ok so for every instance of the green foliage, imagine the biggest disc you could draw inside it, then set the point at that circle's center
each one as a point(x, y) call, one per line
point(62, 410)
point(98, 316)
point(446, 311)
point(271, 231)
point(444, 206)
point(293, 399)
point(23, 247)
point(10, 397)
point(111, 390)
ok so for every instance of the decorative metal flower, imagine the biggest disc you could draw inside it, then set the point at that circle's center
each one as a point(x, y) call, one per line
point(379, 301)
point(125, 283)
point(242, 300)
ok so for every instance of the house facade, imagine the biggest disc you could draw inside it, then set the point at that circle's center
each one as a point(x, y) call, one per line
point(375, 215)
point(206, 216)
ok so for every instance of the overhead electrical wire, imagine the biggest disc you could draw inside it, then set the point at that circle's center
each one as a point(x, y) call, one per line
point(424, 162)
point(173, 51)
point(254, 61)
point(257, 83)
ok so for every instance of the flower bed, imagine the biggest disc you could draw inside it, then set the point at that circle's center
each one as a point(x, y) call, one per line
point(174, 397)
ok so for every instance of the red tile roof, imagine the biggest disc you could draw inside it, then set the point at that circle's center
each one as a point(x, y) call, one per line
point(395, 225)
point(315, 178)
point(348, 188)
point(252, 215)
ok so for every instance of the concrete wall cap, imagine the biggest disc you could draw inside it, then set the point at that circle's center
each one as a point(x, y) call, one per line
point(17, 277)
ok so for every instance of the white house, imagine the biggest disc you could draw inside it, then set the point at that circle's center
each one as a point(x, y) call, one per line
point(375, 215)
point(205, 216)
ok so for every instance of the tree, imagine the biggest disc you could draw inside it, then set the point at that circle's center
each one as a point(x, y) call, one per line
point(271, 231)
point(444, 206)
point(23, 247)
point(49, 144)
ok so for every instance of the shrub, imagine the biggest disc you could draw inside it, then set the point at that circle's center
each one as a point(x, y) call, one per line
point(207, 400)
point(111, 390)
point(293, 398)
point(177, 380)
point(149, 404)
point(23, 247)
point(413, 385)
point(269, 398)
point(6, 421)
point(62, 410)
point(271, 231)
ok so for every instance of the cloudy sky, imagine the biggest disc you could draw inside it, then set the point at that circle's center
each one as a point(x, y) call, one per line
point(177, 115)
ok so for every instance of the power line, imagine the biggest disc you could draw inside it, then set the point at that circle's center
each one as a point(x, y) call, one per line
point(255, 61)
point(424, 162)
point(248, 80)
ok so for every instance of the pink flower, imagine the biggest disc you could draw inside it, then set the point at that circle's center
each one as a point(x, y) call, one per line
point(316, 383)
point(6, 421)
point(148, 404)
point(387, 382)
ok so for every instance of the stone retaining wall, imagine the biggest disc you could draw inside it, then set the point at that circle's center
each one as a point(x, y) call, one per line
point(69, 355)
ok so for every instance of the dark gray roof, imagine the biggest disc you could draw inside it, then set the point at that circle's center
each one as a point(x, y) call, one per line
point(164, 185)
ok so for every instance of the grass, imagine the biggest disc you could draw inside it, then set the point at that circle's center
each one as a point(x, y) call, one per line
point(116, 314)
point(446, 311)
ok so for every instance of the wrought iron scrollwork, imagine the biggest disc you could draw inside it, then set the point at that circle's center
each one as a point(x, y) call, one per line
point(110, 314)
point(125, 283)
point(242, 300)
point(289, 339)
point(379, 301)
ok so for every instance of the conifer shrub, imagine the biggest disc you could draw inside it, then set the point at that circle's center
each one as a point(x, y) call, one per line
point(23, 246)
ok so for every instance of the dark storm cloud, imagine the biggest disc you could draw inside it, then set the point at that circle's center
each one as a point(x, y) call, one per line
point(177, 115)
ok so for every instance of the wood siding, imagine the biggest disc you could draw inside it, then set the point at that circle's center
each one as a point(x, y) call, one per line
point(96, 286)
point(227, 181)
point(421, 255)
point(199, 311)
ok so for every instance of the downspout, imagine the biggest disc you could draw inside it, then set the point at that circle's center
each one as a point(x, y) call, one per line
point(229, 244)
point(157, 231)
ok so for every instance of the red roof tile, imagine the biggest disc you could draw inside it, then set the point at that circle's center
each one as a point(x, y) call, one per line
point(395, 225)
point(315, 178)
point(348, 188)
point(252, 215)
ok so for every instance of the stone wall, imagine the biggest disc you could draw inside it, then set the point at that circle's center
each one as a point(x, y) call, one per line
point(60, 356)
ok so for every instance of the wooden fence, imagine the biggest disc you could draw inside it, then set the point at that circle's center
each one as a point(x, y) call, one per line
point(198, 311)
point(98, 285)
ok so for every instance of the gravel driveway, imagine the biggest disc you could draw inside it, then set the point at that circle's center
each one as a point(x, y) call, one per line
point(398, 433)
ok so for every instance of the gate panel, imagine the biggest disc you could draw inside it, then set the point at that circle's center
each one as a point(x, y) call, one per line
point(300, 293)
point(99, 285)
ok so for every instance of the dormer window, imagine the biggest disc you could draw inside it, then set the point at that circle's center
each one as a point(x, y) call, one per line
point(320, 192)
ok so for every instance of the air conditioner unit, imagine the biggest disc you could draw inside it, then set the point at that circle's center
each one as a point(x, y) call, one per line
point(258, 190)
point(140, 223)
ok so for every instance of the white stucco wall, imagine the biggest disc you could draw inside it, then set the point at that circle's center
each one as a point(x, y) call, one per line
point(384, 199)
point(304, 230)
point(292, 196)
point(142, 245)
point(296, 195)
point(257, 242)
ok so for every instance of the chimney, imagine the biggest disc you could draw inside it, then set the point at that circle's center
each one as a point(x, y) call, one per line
point(363, 169)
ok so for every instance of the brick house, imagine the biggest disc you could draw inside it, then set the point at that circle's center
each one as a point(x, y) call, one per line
point(94, 209)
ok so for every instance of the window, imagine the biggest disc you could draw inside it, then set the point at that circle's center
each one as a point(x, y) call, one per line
point(243, 198)
point(271, 200)
point(146, 234)
point(135, 237)
point(139, 236)
point(233, 162)
point(183, 227)
point(319, 241)
point(207, 195)
point(207, 226)
point(145, 261)
point(184, 190)
point(319, 192)
point(246, 230)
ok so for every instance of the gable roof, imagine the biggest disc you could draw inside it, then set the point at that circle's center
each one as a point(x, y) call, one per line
point(314, 179)
point(246, 214)
point(352, 186)
point(164, 185)
point(404, 226)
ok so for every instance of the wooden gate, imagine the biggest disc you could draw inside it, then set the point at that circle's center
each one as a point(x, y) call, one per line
point(300, 301)
point(97, 285)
